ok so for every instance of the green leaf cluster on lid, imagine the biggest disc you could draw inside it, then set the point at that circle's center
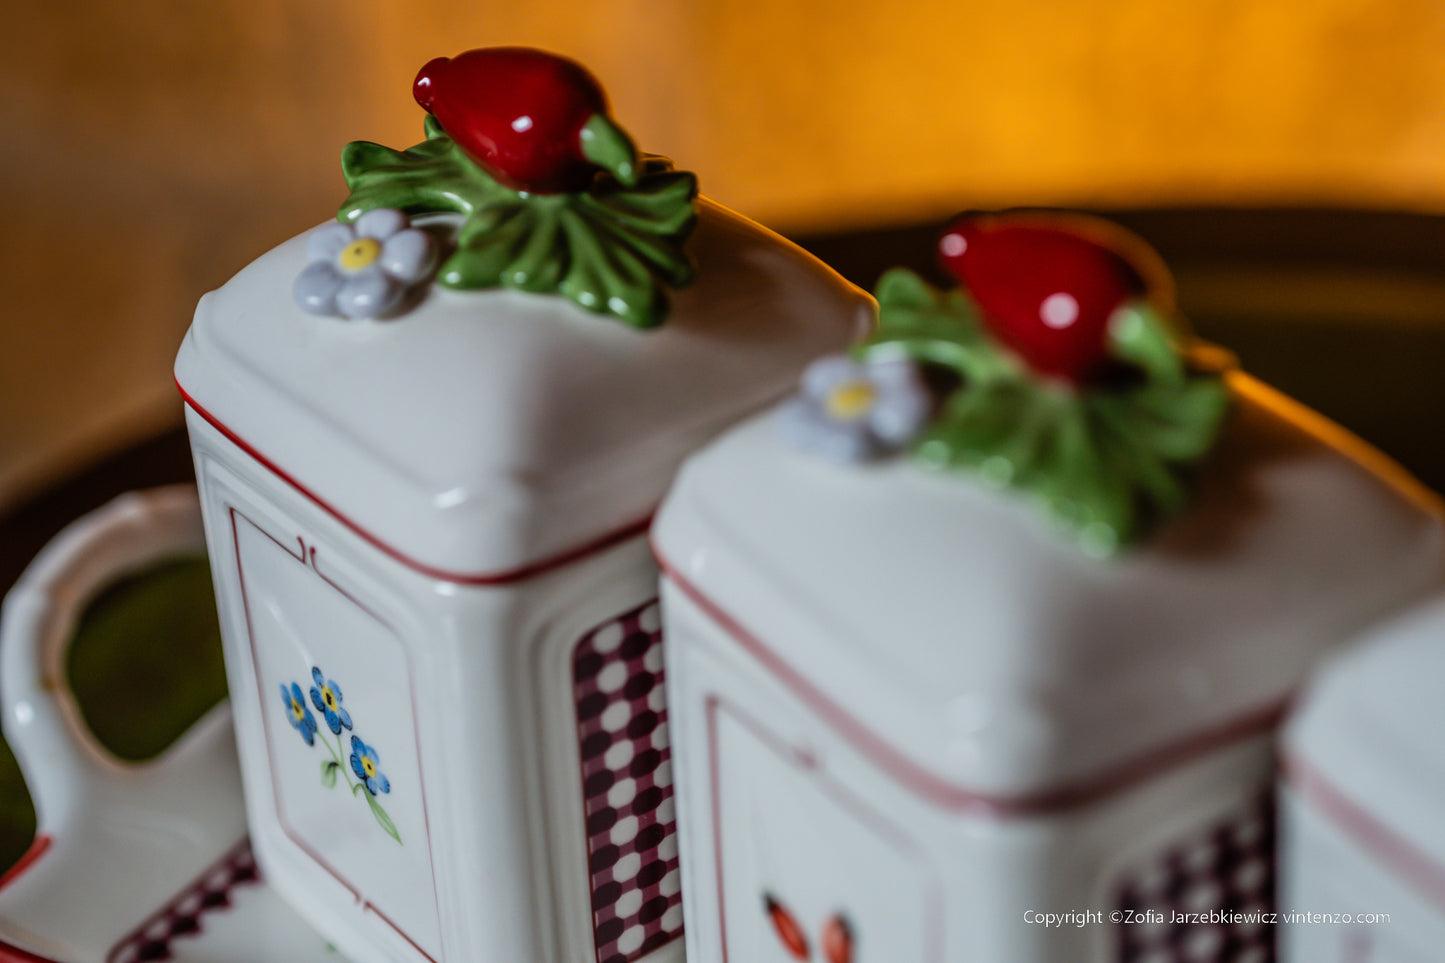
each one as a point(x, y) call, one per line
point(1107, 460)
point(611, 248)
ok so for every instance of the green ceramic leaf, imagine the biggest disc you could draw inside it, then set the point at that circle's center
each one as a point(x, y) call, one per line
point(1107, 461)
point(329, 769)
point(612, 249)
point(1140, 336)
point(930, 325)
point(430, 177)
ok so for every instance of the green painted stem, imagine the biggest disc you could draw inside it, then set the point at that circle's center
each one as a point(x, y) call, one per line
point(336, 757)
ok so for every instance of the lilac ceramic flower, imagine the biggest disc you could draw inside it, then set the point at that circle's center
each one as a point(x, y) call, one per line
point(297, 712)
point(326, 694)
point(363, 270)
point(364, 762)
point(848, 410)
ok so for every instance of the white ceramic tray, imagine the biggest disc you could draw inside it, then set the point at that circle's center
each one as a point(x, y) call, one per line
point(130, 862)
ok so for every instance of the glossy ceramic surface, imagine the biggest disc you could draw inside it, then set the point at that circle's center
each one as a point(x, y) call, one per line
point(535, 121)
point(894, 696)
point(1364, 776)
point(443, 433)
point(1045, 291)
point(428, 521)
point(1058, 371)
point(132, 861)
point(1003, 662)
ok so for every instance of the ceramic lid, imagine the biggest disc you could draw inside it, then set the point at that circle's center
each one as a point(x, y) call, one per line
point(1364, 744)
point(984, 659)
point(483, 432)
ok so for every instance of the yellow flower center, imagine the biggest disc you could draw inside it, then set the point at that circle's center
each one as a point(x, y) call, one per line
point(296, 710)
point(360, 253)
point(328, 697)
point(850, 400)
point(369, 766)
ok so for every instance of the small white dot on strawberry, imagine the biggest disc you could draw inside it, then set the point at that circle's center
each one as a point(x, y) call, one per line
point(1059, 310)
point(952, 245)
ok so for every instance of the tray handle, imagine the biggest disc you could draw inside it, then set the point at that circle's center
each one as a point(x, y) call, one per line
point(64, 767)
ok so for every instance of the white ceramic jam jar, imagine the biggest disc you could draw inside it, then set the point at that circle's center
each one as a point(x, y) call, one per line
point(912, 722)
point(1363, 873)
point(428, 528)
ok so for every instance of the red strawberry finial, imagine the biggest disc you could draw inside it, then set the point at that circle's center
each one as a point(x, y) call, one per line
point(1046, 289)
point(535, 121)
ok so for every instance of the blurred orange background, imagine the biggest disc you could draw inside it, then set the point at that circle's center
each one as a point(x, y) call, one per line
point(153, 147)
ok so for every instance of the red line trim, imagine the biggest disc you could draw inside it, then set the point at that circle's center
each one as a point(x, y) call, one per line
point(944, 794)
point(14, 954)
point(1418, 869)
point(368, 906)
point(530, 570)
point(261, 693)
point(38, 848)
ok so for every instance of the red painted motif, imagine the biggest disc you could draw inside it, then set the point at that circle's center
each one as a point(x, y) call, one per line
point(786, 925)
point(838, 940)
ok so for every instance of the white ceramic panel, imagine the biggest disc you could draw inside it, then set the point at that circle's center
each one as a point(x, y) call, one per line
point(989, 655)
point(308, 631)
point(774, 795)
point(1367, 732)
point(802, 857)
point(1340, 901)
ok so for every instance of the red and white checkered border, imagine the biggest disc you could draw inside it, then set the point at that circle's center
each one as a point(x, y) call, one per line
point(183, 915)
point(1227, 867)
point(626, 760)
